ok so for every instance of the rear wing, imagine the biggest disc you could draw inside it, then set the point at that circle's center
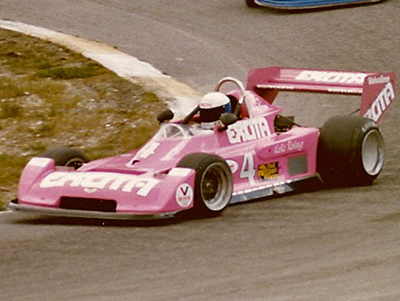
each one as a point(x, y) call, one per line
point(377, 90)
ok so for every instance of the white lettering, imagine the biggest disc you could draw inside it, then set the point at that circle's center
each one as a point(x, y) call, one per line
point(248, 130)
point(295, 145)
point(378, 80)
point(92, 181)
point(381, 103)
point(100, 180)
point(280, 148)
point(331, 77)
point(289, 147)
point(116, 183)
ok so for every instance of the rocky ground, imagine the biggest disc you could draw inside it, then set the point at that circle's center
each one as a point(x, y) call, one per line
point(52, 96)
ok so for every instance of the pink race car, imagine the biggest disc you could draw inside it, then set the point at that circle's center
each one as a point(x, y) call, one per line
point(233, 147)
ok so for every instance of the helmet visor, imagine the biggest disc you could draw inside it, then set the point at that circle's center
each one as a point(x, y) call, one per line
point(211, 115)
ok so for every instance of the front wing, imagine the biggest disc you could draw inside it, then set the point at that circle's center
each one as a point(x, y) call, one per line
point(14, 206)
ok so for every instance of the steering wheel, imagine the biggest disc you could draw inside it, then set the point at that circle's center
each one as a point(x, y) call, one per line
point(172, 130)
point(236, 82)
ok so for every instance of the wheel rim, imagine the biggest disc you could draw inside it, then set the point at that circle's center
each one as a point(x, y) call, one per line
point(75, 163)
point(372, 152)
point(216, 188)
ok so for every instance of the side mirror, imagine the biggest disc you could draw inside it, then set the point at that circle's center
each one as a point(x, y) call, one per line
point(165, 115)
point(227, 119)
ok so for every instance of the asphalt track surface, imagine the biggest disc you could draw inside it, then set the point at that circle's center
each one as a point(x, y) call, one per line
point(339, 244)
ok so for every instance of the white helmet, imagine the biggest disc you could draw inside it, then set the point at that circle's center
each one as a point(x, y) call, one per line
point(212, 106)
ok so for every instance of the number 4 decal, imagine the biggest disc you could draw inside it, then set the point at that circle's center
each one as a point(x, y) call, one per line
point(248, 170)
point(148, 150)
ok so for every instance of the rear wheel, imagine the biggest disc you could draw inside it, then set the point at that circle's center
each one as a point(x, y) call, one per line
point(213, 183)
point(65, 156)
point(350, 151)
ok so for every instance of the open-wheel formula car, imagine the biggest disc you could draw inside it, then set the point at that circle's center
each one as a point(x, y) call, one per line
point(305, 4)
point(233, 147)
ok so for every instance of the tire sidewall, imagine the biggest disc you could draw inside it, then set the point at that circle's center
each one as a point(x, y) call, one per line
point(357, 144)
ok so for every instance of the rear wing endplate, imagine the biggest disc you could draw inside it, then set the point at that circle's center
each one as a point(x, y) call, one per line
point(377, 90)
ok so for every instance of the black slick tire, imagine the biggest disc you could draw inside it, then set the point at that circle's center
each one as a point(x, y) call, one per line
point(65, 156)
point(350, 151)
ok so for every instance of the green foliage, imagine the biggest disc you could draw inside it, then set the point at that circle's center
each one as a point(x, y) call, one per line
point(11, 167)
point(69, 72)
point(9, 88)
point(10, 110)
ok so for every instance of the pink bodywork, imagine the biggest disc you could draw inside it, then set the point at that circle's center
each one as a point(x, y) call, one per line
point(262, 161)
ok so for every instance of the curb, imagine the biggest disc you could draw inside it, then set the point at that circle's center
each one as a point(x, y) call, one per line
point(179, 97)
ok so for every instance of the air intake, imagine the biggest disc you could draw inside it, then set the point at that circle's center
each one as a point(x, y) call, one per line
point(88, 204)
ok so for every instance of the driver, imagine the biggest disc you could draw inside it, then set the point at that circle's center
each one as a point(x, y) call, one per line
point(212, 106)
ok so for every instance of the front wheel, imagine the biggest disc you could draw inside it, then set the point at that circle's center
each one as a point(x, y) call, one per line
point(213, 183)
point(350, 151)
point(65, 156)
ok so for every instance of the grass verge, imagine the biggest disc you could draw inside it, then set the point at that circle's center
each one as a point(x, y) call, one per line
point(51, 96)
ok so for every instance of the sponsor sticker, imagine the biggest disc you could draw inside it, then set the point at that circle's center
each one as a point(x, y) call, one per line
point(248, 130)
point(290, 146)
point(268, 171)
point(381, 103)
point(374, 80)
point(92, 181)
point(331, 77)
point(184, 195)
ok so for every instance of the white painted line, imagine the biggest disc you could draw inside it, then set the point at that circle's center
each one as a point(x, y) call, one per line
point(180, 97)
point(117, 61)
point(125, 65)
